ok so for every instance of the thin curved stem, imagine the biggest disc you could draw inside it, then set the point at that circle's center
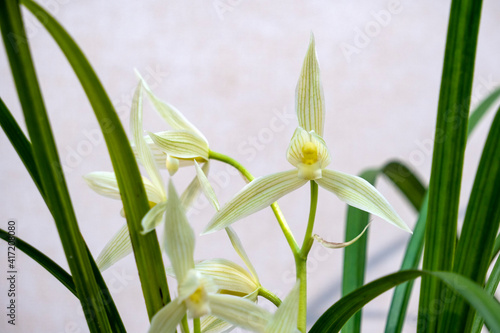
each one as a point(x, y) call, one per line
point(276, 210)
point(267, 294)
point(196, 325)
point(308, 239)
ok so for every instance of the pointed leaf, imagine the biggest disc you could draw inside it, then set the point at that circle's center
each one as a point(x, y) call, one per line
point(258, 194)
point(357, 192)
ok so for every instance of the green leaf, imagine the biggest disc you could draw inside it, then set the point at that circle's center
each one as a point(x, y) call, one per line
point(338, 314)
point(448, 153)
point(146, 248)
point(480, 227)
point(48, 165)
point(52, 267)
point(407, 182)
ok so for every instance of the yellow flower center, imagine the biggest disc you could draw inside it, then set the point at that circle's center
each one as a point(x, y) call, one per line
point(151, 204)
point(198, 296)
point(309, 153)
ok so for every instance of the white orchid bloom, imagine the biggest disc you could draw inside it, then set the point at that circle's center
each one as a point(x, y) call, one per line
point(197, 291)
point(177, 147)
point(105, 183)
point(309, 155)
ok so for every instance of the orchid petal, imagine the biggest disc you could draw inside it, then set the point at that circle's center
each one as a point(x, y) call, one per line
point(239, 311)
point(178, 236)
point(332, 245)
point(357, 192)
point(284, 319)
point(206, 187)
point(153, 217)
point(258, 194)
point(228, 275)
point(172, 164)
point(309, 94)
point(212, 324)
point(105, 183)
point(168, 317)
point(169, 113)
point(193, 189)
point(143, 151)
point(238, 247)
point(181, 144)
point(116, 249)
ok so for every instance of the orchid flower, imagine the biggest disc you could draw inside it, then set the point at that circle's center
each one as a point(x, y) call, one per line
point(309, 154)
point(177, 147)
point(197, 291)
point(105, 183)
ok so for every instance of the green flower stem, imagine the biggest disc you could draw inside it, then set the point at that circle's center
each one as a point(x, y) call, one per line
point(301, 259)
point(277, 211)
point(267, 294)
point(185, 325)
point(196, 325)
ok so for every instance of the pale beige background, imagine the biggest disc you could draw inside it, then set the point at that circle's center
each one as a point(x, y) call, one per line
point(231, 66)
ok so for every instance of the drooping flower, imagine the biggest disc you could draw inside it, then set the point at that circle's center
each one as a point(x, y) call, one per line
point(197, 291)
point(309, 155)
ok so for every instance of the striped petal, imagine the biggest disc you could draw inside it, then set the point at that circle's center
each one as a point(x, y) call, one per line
point(193, 189)
point(105, 183)
point(332, 245)
point(143, 151)
point(357, 192)
point(116, 249)
point(153, 217)
point(167, 319)
point(258, 194)
point(284, 319)
point(178, 236)
point(309, 94)
point(238, 247)
point(239, 311)
point(206, 187)
point(169, 113)
point(181, 144)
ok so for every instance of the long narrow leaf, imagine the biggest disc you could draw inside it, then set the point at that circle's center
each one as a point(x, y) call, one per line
point(338, 314)
point(490, 288)
point(448, 153)
point(407, 182)
point(48, 165)
point(480, 227)
point(51, 266)
point(146, 247)
point(355, 254)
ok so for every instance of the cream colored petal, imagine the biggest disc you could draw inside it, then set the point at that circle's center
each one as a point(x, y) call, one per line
point(178, 236)
point(158, 154)
point(206, 187)
point(357, 192)
point(143, 151)
point(167, 319)
point(294, 151)
point(258, 194)
point(238, 247)
point(104, 183)
point(239, 311)
point(169, 113)
point(332, 245)
point(116, 249)
point(228, 275)
point(181, 144)
point(153, 217)
point(172, 164)
point(284, 319)
point(193, 189)
point(212, 324)
point(309, 96)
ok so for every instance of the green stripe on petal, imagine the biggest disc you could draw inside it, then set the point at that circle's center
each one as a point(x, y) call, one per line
point(116, 249)
point(212, 324)
point(228, 276)
point(258, 194)
point(284, 319)
point(206, 187)
point(143, 151)
point(238, 247)
point(193, 189)
point(181, 144)
point(153, 217)
point(357, 192)
point(240, 312)
point(167, 319)
point(169, 113)
point(178, 236)
point(309, 94)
